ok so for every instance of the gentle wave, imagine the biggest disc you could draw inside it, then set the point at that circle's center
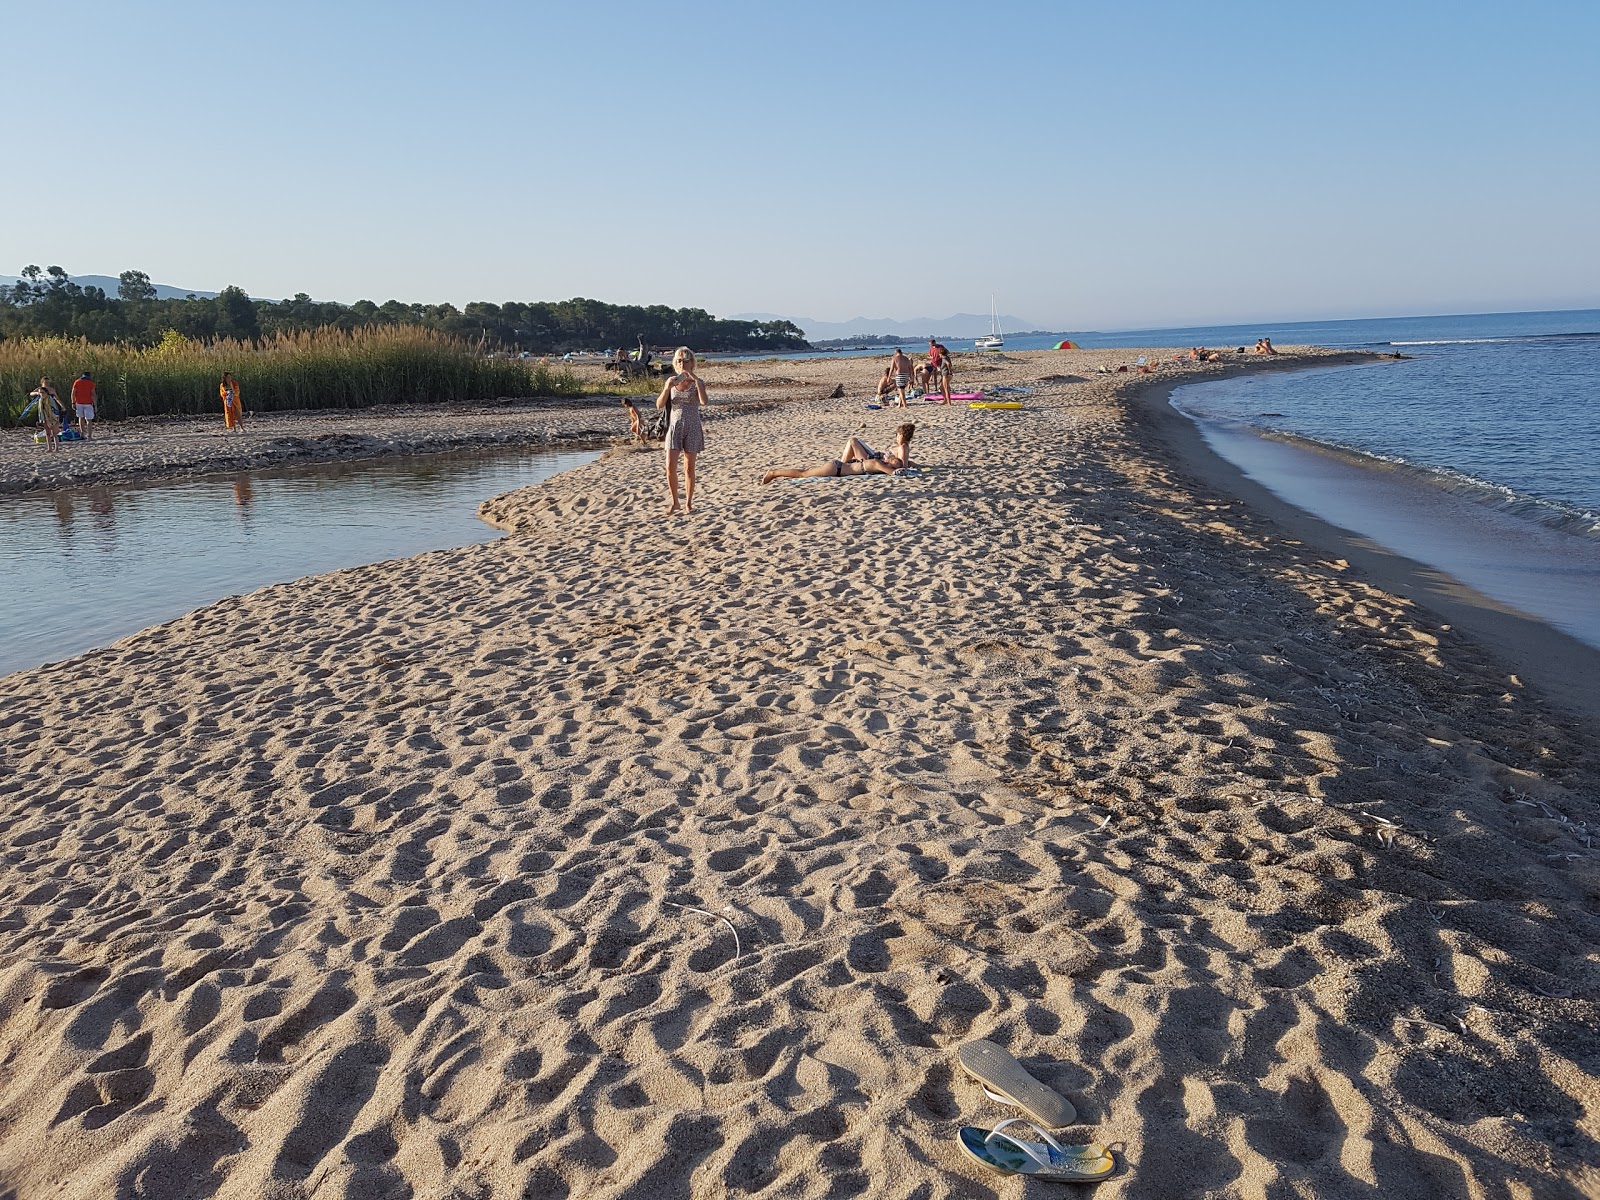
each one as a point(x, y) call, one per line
point(1557, 514)
point(1532, 337)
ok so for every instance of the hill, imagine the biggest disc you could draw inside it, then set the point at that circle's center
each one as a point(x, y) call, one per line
point(108, 284)
point(958, 325)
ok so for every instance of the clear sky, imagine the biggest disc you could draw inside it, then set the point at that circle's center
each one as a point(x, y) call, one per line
point(1094, 166)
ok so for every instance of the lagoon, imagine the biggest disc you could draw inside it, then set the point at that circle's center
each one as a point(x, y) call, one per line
point(83, 567)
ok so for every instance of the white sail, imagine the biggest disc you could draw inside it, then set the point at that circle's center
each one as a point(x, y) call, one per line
point(996, 338)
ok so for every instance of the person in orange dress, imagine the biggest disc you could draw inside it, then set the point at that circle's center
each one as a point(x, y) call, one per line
point(232, 410)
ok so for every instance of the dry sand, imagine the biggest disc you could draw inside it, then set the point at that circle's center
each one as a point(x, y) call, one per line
point(425, 878)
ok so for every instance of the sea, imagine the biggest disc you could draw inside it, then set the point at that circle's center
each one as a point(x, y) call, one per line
point(1475, 454)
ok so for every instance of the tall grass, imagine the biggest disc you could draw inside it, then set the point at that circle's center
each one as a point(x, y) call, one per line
point(324, 368)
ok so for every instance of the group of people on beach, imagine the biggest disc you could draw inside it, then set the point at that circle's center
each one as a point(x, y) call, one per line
point(1201, 354)
point(54, 416)
point(902, 375)
point(683, 397)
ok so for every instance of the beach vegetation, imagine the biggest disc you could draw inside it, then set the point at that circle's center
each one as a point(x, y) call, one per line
point(48, 304)
point(308, 369)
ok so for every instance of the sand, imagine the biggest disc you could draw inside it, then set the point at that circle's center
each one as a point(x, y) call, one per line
point(634, 858)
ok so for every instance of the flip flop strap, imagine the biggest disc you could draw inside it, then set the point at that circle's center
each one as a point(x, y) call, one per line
point(1029, 1148)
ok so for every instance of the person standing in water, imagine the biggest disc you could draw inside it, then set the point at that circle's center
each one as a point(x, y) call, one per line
point(232, 409)
point(682, 398)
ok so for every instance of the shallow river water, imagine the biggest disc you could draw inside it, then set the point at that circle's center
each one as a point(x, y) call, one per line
point(83, 567)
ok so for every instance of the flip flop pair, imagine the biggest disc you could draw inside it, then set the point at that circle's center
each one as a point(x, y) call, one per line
point(1004, 1079)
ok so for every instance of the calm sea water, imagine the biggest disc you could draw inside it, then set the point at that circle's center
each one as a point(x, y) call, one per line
point(1480, 448)
point(80, 568)
point(1504, 409)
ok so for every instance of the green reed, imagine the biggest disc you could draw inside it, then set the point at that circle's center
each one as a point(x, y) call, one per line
point(324, 368)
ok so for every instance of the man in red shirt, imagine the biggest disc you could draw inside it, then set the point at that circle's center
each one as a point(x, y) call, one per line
point(83, 403)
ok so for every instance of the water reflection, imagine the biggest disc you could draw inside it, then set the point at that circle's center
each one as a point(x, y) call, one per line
point(83, 568)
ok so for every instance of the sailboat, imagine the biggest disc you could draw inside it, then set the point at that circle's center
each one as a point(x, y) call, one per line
point(996, 339)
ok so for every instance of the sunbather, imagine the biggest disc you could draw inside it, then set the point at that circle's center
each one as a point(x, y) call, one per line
point(857, 450)
point(832, 469)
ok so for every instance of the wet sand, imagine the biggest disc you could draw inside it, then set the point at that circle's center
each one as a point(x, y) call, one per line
point(181, 447)
point(639, 858)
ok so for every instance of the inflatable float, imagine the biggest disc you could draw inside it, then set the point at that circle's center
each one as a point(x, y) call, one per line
point(995, 404)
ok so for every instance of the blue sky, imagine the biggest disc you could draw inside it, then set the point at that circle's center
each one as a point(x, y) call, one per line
point(1092, 166)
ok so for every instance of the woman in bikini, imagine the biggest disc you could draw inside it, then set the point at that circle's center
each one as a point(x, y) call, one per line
point(856, 450)
point(682, 397)
point(832, 469)
point(858, 458)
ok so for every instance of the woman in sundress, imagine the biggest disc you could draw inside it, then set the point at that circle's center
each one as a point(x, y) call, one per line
point(682, 398)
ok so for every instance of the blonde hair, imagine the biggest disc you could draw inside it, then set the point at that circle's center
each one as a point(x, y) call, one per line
point(678, 355)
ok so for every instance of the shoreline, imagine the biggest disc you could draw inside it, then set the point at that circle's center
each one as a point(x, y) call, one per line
point(177, 447)
point(156, 449)
point(1566, 667)
point(414, 876)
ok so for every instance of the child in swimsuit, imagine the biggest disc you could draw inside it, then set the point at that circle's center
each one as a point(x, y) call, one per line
point(45, 397)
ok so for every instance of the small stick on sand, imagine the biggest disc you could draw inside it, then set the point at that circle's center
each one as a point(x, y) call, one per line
point(737, 949)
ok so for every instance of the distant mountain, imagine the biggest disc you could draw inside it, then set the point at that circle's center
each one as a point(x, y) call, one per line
point(961, 325)
point(108, 284)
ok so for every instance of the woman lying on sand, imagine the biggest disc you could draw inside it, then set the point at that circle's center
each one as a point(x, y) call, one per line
point(857, 458)
point(831, 469)
point(856, 450)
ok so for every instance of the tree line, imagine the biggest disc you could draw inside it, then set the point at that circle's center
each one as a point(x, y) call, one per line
point(48, 303)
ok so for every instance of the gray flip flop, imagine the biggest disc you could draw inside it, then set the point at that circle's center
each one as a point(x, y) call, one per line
point(1003, 1078)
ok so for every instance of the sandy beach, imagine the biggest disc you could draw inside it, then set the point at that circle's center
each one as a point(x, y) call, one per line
point(646, 859)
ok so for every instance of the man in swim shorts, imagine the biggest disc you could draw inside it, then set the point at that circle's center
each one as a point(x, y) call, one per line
point(900, 368)
point(885, 385)
point(83, 403)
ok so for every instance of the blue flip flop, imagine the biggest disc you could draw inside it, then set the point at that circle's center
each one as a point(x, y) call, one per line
point(1047, 1159)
